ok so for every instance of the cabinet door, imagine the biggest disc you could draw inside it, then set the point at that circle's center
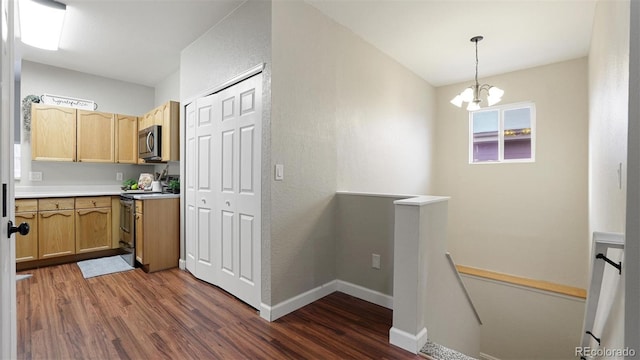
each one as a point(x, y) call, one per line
point(56, 236)
point(145, 121)
point(171, 131)
point(27, 245)
point(127, 139)
point(93, 229)
point(96, 136)
point(53, 133)
point(140, 240)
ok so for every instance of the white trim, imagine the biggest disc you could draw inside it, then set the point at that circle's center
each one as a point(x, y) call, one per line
point(182, 265)
point(362, 293)
point(271, 313)
point(290, 305)
point(484, 356)
point(406, 341)
point(232, 81)
point(501, 109)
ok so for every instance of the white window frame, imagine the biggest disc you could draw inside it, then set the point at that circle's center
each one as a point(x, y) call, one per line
point(501, 109)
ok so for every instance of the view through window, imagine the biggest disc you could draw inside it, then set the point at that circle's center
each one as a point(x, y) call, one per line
point(502, 134)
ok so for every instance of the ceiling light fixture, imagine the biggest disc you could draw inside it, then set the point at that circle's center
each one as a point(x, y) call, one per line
point(41, 23)
point(471, 94)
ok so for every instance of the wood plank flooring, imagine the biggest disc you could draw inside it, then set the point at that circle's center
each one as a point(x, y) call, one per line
point(172, 315)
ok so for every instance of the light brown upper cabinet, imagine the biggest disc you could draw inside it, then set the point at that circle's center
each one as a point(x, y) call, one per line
point(168, 116)
point(126, 139)
point(96, 136)
point(53, 133)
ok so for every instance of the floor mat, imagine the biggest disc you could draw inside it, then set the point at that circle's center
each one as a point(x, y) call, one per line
point(103, 266)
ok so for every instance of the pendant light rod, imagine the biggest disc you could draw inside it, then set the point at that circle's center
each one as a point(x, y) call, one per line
point(475, 40)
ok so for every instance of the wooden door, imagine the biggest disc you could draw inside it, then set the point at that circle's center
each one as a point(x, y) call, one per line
point(93, 223)
point(96, 136)
point(200, 188)
point(139, 229)
point(56, 236)
point(237, 163)
point(27, 245)
point(126, 139)
point(53, 133)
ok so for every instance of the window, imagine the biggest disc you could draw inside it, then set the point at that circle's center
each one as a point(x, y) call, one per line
point(502, 134)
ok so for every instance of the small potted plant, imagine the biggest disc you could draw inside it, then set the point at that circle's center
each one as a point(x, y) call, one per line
point(174, 186)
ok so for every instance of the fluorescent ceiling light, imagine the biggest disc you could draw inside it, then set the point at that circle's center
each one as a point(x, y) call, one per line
point(41, 23)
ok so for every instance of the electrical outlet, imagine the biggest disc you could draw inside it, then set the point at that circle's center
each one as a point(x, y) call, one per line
point(375, 261)
point(119, 176)
point(35, 175)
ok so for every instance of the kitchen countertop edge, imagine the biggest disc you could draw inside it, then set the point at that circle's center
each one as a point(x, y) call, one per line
point(34, 192)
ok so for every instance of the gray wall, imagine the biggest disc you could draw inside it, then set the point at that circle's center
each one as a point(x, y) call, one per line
point(238, 43)
point(345, 116)
point(365, 226)
point(319, 90)
point(110, 95)
point(631, 319)
point(168, 89)
point(608, 122)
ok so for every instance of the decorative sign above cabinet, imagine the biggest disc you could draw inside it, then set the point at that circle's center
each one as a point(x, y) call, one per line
point(49, 99)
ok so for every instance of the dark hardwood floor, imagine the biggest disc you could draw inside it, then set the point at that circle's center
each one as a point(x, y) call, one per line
point(172, 315)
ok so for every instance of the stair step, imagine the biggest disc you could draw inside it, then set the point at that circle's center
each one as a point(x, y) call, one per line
point(433, 351)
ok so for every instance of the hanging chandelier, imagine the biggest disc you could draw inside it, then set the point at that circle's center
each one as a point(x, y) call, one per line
point(471, 95)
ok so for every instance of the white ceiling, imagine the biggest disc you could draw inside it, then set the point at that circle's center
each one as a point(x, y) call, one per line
point(140, 41)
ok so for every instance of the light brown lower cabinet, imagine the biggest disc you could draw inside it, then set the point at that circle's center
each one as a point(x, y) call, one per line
point(65, 226)
point(158, 233)
point(93, 224)
point(56, 227)
point(27, 245)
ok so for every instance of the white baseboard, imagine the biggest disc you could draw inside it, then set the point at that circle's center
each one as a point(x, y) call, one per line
point(271, 313)
point(365, 294)
point(484, 356)
point(297, 302)
point(406, 341)
point(182, 264)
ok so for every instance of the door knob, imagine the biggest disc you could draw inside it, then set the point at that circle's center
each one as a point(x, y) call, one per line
point(22, 229)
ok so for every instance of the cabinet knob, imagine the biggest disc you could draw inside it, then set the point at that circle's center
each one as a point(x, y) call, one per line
point(228, 203)
point(93, 202)
point(57, 206)
point(204, 201)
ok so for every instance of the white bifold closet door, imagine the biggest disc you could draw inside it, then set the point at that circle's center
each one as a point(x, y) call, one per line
point(223, 212)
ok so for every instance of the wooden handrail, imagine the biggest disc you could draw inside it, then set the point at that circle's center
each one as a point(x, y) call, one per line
point(521, 281)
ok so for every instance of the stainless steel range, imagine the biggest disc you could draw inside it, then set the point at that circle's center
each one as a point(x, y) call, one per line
point(127, 229)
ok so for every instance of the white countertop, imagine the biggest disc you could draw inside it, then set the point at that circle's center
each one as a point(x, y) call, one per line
point(152, 196)
point(30, 192)
point(34, 192)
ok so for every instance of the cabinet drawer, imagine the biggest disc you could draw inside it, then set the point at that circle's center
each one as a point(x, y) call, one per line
point(26, 205)
point(139, 206)
point(93, 202)
point(55, 204)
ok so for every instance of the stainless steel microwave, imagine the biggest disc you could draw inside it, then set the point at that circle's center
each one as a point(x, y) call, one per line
point(150, 143)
